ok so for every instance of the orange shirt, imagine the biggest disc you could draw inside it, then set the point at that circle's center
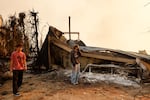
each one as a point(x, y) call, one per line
point(18, 60)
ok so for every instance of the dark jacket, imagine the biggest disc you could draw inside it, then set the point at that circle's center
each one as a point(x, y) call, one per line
point(74, 57)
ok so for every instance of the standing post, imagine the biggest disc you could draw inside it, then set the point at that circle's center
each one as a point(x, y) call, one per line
point(36, 33)
point(49, 52)
point(69, 29)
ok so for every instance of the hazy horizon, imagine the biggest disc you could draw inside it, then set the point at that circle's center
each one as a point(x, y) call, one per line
point(116, 24)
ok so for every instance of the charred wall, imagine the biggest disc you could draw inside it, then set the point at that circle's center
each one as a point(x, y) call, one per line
point(60, 56)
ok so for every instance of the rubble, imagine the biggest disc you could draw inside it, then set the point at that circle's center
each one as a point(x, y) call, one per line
point(56, 51)
point(92, 77)
point(98, 65)
point(4, 72)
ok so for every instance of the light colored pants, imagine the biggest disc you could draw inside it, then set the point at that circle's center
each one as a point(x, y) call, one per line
point(75, 74)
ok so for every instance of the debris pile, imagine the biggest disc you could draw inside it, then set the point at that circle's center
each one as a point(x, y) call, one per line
point(56, 51)
point(4, 72)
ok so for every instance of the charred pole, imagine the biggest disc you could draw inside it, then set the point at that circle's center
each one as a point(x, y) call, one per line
point(69, 29)
point(21, 22)
point(34, 15)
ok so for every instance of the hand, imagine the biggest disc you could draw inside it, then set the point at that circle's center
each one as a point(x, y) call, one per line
point(25, 68)
point(10, 70)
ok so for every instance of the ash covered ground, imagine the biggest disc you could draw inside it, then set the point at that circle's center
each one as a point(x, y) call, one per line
point(56, 85)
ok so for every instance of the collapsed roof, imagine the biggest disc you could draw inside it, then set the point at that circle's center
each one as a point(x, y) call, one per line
point(56, 51)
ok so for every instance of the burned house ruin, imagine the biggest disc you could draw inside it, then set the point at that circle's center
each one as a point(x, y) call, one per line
point(56, 51)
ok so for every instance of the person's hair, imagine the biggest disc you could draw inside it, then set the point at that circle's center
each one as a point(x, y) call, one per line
point(76, 46)
point(19, 45)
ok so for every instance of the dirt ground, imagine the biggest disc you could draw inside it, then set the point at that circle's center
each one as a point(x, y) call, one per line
point(51, 86)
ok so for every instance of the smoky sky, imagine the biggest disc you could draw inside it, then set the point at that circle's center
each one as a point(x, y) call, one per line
point(116, 24)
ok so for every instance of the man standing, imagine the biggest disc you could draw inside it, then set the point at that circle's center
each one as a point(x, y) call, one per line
point(75, 54)
point(17, 66)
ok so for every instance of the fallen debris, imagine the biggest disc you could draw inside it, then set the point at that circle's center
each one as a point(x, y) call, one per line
point(90, 77)
point(56, 51)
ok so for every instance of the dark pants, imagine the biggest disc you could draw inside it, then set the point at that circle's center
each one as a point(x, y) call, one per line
point(17, 80)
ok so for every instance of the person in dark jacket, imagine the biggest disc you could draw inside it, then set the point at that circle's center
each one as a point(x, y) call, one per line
point(75, 54)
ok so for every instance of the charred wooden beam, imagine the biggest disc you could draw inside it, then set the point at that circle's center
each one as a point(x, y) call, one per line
point(92, 55)
point(112, 58)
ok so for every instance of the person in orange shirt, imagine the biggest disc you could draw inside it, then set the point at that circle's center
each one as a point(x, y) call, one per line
point(17, 66)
